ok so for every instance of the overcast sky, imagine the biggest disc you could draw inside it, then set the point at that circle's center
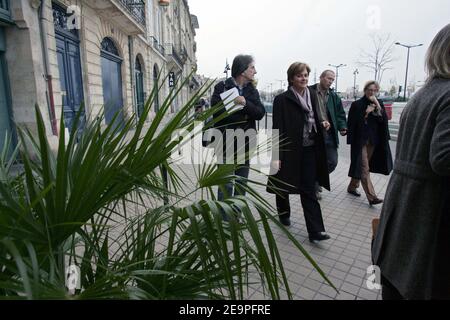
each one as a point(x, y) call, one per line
point(318, 32)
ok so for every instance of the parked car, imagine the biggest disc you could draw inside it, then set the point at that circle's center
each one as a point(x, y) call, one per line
point(346, 103)
point(388, 102)
point(268, 106)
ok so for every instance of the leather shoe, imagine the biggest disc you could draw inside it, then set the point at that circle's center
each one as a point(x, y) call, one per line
point(285, 221)
point(354, 192)
point(376, 201)
point(318, 236)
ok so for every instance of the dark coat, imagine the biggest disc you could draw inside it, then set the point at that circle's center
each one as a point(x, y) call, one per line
point(412, 244)
point(381, 161)
point(242, 119)
point(245, 118)
point(289, 118)
point(336, 112)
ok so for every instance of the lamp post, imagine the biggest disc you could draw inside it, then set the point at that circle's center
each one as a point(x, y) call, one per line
point(407, 63)
point(281, 84)
point(267, 89)
point(337, 72)
point(227, 68)
point(354, 82)
point(271, 89)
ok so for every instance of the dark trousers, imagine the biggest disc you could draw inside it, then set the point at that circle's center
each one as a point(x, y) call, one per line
point(235, 188)
point(311, 207)
point(332, 155)
point(388, 291)
point(332, 152)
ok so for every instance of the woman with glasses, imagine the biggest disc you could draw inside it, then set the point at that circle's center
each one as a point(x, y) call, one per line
point(368, 135)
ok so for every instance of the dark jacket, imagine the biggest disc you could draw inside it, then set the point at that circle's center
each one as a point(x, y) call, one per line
point(289, 118)
point(243, 119)
point(336, 112)
point(381, 161)
point(412, 244)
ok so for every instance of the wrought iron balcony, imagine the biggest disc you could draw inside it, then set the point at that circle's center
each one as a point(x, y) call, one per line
point(177, 58)
point(184, 54)
point(129, 15)
point(194, 83)
point(5, 11)
point(136, 8)
point(157, 45)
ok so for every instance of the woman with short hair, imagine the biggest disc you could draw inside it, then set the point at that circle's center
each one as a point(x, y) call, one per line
point(302, 158)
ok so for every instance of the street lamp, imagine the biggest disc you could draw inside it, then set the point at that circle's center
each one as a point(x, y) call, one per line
point(227, 68)
point(337, 72)
point(407, 63)
point(281, 84)
point(354, 82)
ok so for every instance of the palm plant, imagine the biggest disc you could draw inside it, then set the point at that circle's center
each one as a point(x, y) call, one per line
point(111, 203)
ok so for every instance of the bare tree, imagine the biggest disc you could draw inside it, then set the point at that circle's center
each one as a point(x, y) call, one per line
point(379, 57)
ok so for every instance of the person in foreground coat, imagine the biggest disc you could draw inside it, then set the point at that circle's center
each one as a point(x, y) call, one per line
point(368, 135)
point(412, 243)
point(302, 152)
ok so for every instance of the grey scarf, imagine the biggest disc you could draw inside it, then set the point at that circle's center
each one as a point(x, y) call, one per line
point(306, 104)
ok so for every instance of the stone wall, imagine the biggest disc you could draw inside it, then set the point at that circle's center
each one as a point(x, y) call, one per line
point(25, 58)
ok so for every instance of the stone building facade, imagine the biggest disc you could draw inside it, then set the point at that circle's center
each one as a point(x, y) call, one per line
point(107, 54)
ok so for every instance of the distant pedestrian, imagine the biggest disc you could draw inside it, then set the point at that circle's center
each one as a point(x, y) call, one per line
point(412, 244)
point(368, 135)
point(199, 107)
point(243, 73)
point(331, 115)
point(302, 152)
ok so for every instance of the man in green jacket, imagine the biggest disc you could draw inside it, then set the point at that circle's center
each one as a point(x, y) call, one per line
point(332, 116)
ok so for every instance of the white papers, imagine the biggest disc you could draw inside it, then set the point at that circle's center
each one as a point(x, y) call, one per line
point(228, 99)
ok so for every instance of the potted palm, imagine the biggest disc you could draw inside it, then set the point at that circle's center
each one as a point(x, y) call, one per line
point(107, 216)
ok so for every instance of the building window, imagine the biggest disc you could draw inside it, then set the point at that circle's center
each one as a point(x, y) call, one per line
point(5, 11)
point(109, 46)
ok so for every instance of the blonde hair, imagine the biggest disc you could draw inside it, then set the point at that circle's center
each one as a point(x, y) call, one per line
point(437, 62)
point(371, 82)
point(295, 69)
